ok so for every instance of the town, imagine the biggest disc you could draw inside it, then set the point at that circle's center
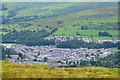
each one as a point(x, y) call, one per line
point(88, 40)
point(57, 57)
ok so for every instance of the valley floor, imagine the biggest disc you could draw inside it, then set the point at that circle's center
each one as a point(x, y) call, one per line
point(10, 70)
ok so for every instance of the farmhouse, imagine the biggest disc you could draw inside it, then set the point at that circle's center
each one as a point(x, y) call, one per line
point(88, 40)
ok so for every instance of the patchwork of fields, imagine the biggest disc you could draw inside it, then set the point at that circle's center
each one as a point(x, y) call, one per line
point(71, 31)
point(93, 21)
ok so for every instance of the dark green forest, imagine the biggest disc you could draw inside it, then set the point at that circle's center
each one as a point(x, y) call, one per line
point(82, 44)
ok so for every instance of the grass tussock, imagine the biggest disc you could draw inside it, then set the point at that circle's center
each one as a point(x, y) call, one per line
point(43, 71)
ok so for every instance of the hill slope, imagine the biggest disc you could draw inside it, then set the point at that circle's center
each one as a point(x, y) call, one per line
point(43, 71)
point(70, 19)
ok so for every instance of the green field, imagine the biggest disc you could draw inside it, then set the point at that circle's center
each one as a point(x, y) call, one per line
point(18, 27)
point(71, 31)
point(4, 13)
point(82, 18)
point(10, 70)
point(41, 11)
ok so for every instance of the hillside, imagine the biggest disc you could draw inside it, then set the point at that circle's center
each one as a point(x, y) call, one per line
point(53, 8)
point(43, 71)
point(78, 35)
point(46, 20)
point(71, 24)
point(69, 19)
point(61, 19)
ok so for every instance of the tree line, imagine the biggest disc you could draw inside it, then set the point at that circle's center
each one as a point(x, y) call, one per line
point(30, 38)
point(81, 44)
point(6, 52)
point(111, 61)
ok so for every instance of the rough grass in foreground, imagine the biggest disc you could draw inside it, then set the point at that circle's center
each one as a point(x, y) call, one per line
point(43, 71)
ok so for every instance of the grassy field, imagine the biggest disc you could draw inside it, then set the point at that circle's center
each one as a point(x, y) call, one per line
point(71, 31)
point(43, 71)
point(108, 16)
point(41, 11)
point(18, 27)
point(4, 13)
